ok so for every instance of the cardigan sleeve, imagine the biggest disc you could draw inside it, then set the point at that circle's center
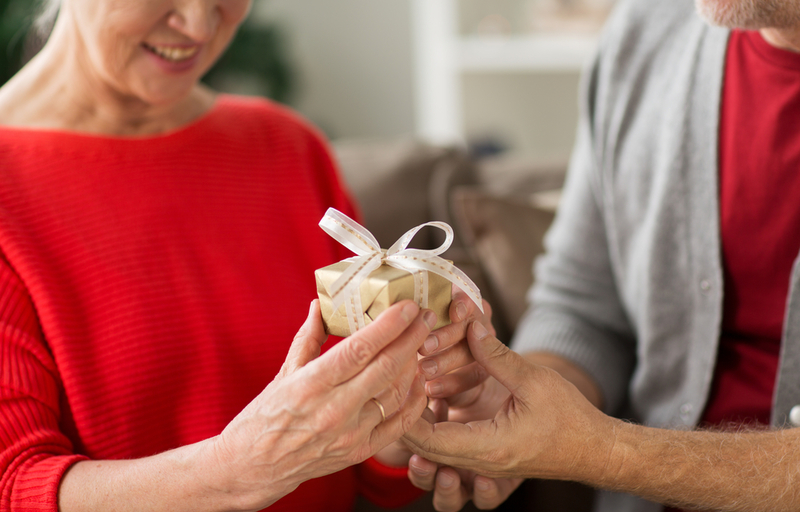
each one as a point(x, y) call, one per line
point(34, 454)
point(575, 308)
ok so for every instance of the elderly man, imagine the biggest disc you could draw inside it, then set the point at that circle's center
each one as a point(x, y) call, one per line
point(670, 293)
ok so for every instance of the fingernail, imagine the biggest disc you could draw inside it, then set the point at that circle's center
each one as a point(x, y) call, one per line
point(479, 330)
point(429, 368)
point(410, 311)
point(445, 480)
point(430, 319)
point(481, 484)
point(461, 312)
point(418, 470)
point(431, 344)
point(435, 389)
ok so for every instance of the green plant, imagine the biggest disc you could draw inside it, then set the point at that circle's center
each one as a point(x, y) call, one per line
point(258, 55)
point(15, 21)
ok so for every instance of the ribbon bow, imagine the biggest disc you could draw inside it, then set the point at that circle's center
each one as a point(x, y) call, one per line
point(345, 290)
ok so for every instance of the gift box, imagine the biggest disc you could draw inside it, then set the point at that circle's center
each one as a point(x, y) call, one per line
point(353, 292)
point(383, 287)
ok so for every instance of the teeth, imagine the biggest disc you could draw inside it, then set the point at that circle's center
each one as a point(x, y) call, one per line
point(173, 53)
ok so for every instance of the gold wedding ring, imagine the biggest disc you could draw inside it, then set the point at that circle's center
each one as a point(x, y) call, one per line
point(380, 406)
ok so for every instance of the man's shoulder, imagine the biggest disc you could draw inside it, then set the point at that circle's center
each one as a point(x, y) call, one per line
point(640, 28)
point(650, 50)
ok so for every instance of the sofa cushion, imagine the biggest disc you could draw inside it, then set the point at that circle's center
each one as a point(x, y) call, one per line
point(392, 181)
point(505, 236)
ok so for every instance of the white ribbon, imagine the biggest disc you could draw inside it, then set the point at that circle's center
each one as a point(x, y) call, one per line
point(346, 289)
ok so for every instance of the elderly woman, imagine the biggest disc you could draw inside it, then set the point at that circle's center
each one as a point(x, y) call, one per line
point(157, 249)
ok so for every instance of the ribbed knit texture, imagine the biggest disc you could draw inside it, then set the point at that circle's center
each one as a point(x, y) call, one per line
point(150, 288)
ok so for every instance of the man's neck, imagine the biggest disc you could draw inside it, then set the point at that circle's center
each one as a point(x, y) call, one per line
point(785, 39)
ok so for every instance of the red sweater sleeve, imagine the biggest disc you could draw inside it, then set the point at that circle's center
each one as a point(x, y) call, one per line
point(34, 454)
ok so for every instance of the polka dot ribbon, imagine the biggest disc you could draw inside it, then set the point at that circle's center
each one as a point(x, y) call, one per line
point(370, 256)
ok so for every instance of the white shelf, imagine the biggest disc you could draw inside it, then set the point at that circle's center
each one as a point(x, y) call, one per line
point(524, 54)
point(442, 57)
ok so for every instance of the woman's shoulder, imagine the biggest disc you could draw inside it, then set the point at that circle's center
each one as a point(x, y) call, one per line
point(264, 122)
point(258, 110)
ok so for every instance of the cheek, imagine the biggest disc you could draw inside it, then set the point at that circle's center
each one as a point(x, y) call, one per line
point(122, 30)
point(235, 10)
point(232, 14)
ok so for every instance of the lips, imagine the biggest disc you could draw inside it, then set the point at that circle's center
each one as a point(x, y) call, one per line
point(173, 53)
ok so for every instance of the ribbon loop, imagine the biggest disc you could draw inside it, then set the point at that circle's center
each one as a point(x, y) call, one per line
point(346, 289)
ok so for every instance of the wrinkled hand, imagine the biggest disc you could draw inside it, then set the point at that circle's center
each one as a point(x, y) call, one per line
point(545, 428)
point(454, 488)
point(463, 395)
point(317, 416)
point(452, 372)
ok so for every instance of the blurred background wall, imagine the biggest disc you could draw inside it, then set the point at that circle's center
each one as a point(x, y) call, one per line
point(356, 74)
point(353, 63)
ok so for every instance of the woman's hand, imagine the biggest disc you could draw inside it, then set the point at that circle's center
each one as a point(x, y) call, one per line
point(318, 416)
point(545, 428)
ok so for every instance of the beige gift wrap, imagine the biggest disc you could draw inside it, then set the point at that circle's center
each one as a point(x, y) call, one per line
point(382, 288)
point(353, 292)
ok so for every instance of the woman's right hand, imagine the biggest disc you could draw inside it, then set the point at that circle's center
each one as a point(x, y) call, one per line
point(318, 417)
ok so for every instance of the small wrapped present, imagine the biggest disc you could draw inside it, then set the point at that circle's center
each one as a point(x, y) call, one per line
point(353, 292)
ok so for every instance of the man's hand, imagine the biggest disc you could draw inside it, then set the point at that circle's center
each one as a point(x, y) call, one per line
point(466, 396)
point(454, 488)
point(545, 428)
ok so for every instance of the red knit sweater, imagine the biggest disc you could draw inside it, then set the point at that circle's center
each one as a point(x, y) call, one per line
point(150, 288)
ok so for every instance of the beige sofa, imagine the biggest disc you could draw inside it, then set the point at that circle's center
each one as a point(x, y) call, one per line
point(499, 207)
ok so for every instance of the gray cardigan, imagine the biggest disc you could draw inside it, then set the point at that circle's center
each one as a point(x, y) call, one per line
point(631, 285)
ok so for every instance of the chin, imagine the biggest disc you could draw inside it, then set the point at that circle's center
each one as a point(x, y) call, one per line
point(750, 14)
point(166, 96)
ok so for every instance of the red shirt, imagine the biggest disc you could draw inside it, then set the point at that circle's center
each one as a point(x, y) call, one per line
point(150, 288)
point(759, 149)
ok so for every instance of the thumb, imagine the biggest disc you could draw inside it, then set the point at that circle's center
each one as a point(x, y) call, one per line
point(307, 343)
point(502, 363)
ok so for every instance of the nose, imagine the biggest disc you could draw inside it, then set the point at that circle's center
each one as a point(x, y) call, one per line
point(197, 19)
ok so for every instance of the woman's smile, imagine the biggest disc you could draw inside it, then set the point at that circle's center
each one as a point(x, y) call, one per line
point(174, 58)
point(173, 53)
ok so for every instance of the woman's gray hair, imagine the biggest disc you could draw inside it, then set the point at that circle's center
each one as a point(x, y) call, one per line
point(41, 28)
point(43, 24)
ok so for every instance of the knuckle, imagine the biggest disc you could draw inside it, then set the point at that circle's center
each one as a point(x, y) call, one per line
point(358, 352)
point(479, 373)
point(397, 394)
point(387, 365)
point(301, 333)
point(406, 421)
point(498, 351)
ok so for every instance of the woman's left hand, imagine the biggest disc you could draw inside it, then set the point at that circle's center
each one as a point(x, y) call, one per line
point(323, 413)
